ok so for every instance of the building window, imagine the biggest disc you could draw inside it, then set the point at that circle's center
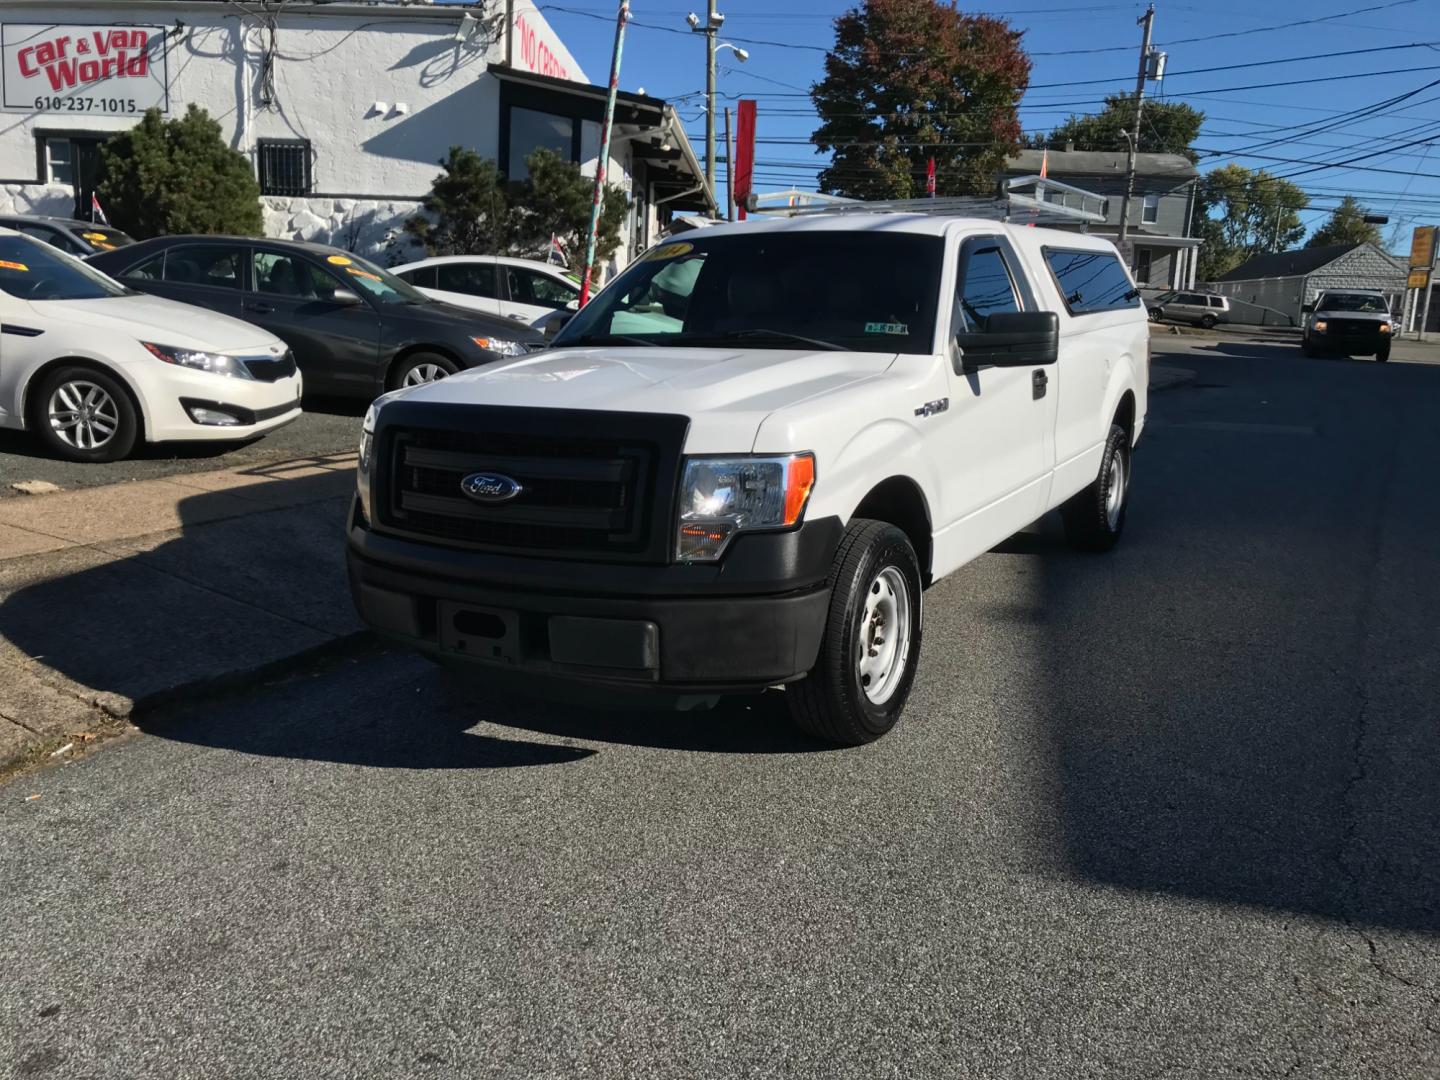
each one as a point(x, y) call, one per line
point(1151, 213)
point(532, 130)
point(59, 161)
point(284, 166)
point(1142, 266)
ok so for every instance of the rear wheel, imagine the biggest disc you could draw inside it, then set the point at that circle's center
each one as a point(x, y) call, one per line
point(84, 414)
point(871, 645)
point(420, 368)
point(1095, 518)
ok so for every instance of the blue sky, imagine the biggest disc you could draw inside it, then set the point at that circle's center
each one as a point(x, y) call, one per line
point(1292, 108)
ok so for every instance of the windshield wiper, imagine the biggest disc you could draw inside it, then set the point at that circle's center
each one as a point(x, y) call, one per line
point(605, 339)
point(783, 335)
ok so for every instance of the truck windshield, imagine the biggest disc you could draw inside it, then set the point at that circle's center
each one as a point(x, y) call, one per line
point(1374, 305)
point(32, 270)
point(861, 291)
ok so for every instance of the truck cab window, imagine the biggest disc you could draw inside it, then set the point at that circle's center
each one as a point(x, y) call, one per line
point(987, 288)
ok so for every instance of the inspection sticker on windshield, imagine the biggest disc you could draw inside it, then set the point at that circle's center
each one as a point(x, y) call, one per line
point(362, 273)
point(94, 236)
point(670, 251)
point(13, 266)
point(887, 328)
point(338, 260)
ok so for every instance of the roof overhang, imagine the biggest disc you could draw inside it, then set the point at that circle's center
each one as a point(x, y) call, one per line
point(649, 124)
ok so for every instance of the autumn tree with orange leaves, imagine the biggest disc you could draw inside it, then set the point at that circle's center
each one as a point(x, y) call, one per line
point(909, 80)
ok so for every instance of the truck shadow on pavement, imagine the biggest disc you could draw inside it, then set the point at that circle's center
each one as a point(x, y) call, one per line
point(1242, 697)
point(246, 578)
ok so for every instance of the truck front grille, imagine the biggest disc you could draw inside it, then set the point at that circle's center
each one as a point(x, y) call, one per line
point(586, 494)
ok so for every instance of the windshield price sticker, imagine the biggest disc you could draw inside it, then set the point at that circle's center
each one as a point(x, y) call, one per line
point(900, 328)
point(670, 251)
point(362, 274)
point(338, 260)
point(14, 266)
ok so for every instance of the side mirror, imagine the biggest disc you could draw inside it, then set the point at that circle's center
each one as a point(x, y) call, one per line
point(573, 305)
point(344, 296)
point(555, 323)
point(1010, 339)
point(1306, 309)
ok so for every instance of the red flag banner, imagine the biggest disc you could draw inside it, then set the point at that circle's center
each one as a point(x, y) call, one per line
point(930, 178)
point(744, 153)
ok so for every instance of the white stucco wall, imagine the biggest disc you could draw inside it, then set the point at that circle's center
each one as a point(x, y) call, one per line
point(381, 93)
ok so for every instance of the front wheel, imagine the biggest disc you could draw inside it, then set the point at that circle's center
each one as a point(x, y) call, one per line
point(1208, 321)
point(1095, 518)
point(421, 368)
point(871, 645)
point(1156, 314)
point(1384, 353)
point(84, 414)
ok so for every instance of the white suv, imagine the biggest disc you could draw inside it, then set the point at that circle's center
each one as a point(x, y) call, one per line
point(740, 465)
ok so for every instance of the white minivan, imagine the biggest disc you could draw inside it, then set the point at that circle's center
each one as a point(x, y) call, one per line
point(93, 368)
point(521, 289)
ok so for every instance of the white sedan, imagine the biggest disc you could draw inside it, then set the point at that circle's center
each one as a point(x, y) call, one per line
point(521, 289)
point(92, 367)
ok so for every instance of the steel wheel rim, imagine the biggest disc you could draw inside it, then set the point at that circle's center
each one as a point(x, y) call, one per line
point(423, 373)
point(1115, 490)
point(83, 415)
point(882, 640)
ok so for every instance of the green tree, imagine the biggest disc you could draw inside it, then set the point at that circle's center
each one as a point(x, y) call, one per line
point(912, 79)
point(473, 210)
point(1166, 127)
point(177, 176)
point(1243, 213)
point(555, 200)
point(1345, 225)
point(467, 211)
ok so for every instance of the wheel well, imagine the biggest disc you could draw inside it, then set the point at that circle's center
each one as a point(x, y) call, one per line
point(1125, 414)
point(39, 374)
point(900, 502)
point(409, 351)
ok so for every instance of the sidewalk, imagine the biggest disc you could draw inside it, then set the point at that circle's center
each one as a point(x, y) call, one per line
point(115, 598)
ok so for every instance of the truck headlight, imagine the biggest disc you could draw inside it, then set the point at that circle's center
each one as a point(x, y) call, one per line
point(1319, 326)
point(195, 359)
point(1384, 328)
point(720, 497)
point(365, 459)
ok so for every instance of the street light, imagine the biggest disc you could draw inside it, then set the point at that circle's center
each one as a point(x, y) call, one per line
point(710, 27)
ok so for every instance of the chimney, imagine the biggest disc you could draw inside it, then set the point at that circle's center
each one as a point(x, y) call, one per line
point(1069, 147)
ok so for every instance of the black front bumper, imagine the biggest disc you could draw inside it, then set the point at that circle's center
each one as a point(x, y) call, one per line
point(751, 621)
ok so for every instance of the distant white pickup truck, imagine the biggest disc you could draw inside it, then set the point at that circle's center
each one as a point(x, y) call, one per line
point(738, 467)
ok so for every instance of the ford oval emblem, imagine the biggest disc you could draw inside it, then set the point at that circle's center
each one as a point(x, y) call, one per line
point(487, 487)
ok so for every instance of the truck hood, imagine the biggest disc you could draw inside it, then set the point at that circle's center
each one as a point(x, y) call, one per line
point(725, 392)
point(166, 322)
point(1358, 316)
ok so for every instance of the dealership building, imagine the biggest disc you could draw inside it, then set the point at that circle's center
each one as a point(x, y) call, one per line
point(344, 109)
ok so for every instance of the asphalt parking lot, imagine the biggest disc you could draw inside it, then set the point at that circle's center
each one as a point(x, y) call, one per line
point(1172, 812)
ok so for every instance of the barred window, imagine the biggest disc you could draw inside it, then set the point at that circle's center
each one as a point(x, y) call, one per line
point(284, 166)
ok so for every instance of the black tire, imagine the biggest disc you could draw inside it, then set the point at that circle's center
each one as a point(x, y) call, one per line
point(832, 702)
point(1208, 321)
point(112, 410)
point(1307, 348)
point(1091, 523)
point(421, 361)
point(1383, 354)
point(1156, 314)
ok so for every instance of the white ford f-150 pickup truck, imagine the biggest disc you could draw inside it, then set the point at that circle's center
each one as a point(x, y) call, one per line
point(738, 466)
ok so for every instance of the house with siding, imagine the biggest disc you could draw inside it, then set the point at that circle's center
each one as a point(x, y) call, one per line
point(1163, 254)
point(1284, 281)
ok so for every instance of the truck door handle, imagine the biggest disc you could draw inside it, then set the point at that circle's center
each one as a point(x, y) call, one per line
point(1038, 381)
point(259, 309)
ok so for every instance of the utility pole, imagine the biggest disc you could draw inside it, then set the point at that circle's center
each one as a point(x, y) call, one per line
point(598, 198)
point(712, 27)
point(1146, 20)
point(729, 170)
